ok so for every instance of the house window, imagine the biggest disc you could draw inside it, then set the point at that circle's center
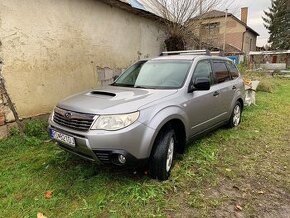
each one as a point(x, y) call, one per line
point(210, 29)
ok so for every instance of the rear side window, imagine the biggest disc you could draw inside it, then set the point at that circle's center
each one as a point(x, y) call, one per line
point(221, 73)
point(233, 70)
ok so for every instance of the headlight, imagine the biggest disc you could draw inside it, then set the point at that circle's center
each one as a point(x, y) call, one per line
point(115, 122)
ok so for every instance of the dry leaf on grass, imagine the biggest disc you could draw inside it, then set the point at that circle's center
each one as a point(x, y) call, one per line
point(238, 207)
point(41, 215)
point(48, 194)
point(236, 187)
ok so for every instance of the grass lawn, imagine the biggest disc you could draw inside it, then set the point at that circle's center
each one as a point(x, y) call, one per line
point(242, 172)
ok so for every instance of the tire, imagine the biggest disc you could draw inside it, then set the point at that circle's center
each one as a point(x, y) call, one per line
point(236, 115)
point(161, 160)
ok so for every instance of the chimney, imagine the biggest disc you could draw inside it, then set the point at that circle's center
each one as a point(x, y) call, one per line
point(244, 15)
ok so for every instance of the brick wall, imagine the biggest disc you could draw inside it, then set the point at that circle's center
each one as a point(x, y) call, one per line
point(235, 39)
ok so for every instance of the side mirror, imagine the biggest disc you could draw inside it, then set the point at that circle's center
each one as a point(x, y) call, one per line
point(200, 84)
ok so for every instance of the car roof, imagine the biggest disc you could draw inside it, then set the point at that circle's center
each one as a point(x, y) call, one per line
point(176, 57)
point(188, 57)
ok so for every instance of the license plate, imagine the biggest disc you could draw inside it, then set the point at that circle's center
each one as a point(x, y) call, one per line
point(69, 140)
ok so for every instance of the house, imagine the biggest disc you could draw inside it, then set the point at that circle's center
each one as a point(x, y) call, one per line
point(52, 49)
point(211, 28)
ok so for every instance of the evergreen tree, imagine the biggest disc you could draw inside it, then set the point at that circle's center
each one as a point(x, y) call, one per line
point(277, 21)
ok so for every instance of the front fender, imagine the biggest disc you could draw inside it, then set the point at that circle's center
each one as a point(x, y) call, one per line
point(160, 117)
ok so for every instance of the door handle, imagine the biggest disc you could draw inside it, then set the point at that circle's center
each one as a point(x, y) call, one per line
point(216, 93)
point(234, 88)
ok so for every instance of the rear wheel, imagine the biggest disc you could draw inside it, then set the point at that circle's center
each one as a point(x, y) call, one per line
point(235, 119)
point(161, 160)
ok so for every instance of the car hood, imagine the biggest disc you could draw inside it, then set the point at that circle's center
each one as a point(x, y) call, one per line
point(113, 100)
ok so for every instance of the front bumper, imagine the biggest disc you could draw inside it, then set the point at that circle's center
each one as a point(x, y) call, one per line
point(134, 143)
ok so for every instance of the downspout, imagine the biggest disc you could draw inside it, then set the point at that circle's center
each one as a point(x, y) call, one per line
point(243, 40)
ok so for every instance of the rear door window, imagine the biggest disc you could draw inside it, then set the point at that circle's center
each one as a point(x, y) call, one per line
point(221, 73)
point(233, 70)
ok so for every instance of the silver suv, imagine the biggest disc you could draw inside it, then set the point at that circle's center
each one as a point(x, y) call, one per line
point(150, 111)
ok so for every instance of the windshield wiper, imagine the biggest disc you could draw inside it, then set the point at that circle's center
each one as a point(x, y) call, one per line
point(144, 87)
point(122, 85)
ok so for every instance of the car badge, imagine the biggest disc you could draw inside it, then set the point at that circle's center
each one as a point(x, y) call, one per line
point(68, 115)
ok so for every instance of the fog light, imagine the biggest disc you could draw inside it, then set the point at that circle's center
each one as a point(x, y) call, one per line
point(122, 159)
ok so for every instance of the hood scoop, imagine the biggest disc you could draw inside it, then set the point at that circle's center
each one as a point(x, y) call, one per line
point(103, 93)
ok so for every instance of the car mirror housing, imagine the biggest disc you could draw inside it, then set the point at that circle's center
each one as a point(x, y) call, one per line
point(200, 84)
point(115, 77)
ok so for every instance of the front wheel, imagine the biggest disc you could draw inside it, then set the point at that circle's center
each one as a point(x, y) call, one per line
point(161, 160)
point(235, 119)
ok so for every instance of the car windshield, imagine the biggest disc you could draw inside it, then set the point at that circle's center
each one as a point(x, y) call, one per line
point(155, 75)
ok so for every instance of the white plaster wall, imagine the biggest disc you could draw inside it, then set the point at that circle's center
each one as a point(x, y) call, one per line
point(51, 48)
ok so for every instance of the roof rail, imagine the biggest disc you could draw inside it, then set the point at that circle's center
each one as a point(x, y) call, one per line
point(186, 52)
point(217, 53)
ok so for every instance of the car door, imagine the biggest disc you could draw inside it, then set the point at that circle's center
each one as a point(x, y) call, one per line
point(203, 107)
point(224, 87)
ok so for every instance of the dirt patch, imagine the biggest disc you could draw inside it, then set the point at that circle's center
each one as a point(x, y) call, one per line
point(249, 199)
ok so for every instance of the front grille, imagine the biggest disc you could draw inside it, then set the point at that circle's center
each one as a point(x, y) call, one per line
point(73, 120)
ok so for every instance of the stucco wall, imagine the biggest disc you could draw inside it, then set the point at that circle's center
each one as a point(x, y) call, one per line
point(51, 49)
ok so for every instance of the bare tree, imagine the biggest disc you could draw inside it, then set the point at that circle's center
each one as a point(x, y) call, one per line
point(178, 16)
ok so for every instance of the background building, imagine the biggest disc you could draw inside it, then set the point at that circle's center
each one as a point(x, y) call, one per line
point(239, 38)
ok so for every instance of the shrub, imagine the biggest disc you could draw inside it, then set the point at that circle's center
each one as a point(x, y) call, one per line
point(14, 131)
point(36, 128)
point(266, 86)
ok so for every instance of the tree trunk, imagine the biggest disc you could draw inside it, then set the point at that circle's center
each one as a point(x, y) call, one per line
point(9, 102)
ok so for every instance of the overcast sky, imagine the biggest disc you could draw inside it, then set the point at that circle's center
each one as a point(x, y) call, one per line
point(255, 21)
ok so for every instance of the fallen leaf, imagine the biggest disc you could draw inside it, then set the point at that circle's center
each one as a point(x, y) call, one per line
point(48, 194)
point(238, 207)
point(41, 215)
point(229, 170)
